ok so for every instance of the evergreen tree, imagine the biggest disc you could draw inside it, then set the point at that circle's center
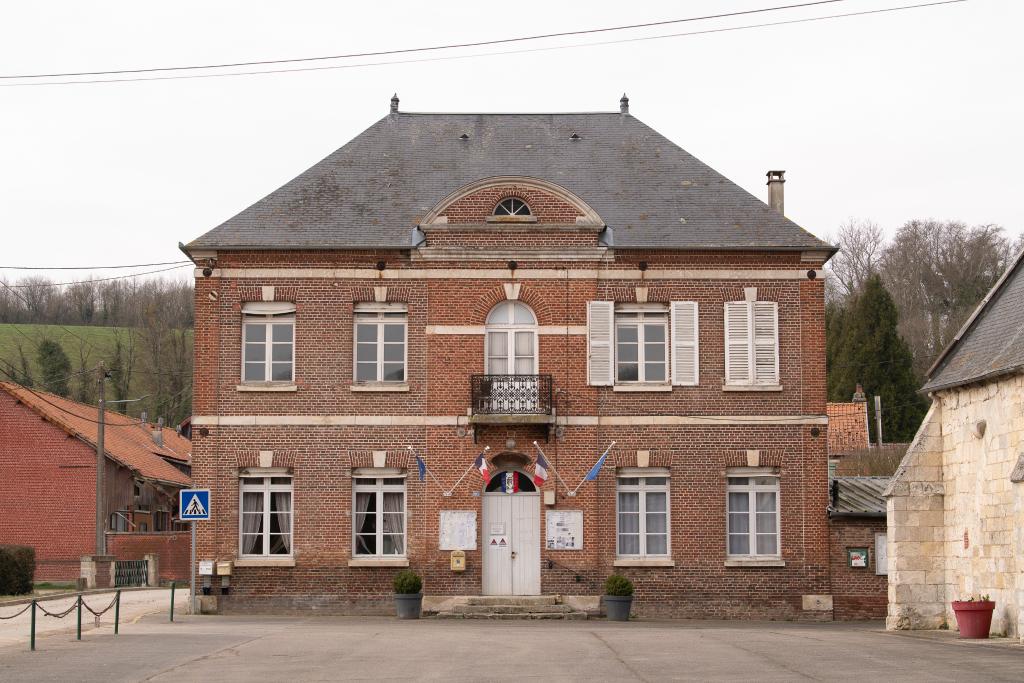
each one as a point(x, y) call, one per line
point(863, 345)
point(54, 366)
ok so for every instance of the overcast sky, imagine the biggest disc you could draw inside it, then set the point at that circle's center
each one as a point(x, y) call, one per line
point(887, 117)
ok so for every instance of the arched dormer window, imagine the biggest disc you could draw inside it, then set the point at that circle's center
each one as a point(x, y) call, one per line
point(511, 340)
point(512, 206)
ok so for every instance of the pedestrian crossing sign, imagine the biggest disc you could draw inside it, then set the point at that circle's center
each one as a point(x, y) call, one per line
point(194, 504)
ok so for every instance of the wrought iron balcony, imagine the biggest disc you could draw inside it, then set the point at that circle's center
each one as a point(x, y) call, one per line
point(511, 399)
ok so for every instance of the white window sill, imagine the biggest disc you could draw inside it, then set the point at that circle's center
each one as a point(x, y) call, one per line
point(382, 387)
point(752, 387)
point(267, 386)
point(644, 562)
point(379, 562)
point(265, 562)
point(642, 387)
point(755, 562)
point(511, 219)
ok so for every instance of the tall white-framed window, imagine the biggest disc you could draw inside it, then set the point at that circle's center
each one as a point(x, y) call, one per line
point(641, 346)
point(511, 341)
point(378, 515)
point(265, 528)
point(381, 348)
point(642, 526)
point(751, 343)
point(753, 515)
point(268, 342)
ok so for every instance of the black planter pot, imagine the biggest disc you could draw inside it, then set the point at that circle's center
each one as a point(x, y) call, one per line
point(617, 607)
point(409, 605)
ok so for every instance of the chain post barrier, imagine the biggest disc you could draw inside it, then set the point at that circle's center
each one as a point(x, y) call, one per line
point(79, 636)
point(117, 612)
point(33, 636)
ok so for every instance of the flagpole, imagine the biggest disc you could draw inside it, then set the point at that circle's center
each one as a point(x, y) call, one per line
point(427, 471)
point(486, 448)
point(553, 468)
point(603, 455)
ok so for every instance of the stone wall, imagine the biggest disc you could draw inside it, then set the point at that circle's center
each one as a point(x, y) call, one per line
point(956, 520)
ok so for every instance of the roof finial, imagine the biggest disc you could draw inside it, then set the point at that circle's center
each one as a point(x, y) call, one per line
point(624, 104)
point(394, 103)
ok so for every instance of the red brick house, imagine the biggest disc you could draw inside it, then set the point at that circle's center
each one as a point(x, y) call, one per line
point(460, 282)
point(48, 484)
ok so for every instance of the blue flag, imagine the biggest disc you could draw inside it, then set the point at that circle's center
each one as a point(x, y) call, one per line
point(596, 469)
point(422, 467)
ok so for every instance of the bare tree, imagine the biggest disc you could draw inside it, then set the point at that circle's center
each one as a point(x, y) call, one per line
point(861, 244)
point(937, 272)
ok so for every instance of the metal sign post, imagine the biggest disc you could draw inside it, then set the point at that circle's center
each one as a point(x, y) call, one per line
point(193, 506)
point(192, 574)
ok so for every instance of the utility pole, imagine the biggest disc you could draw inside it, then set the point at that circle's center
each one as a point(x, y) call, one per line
point(101, 513)
point(878, 419)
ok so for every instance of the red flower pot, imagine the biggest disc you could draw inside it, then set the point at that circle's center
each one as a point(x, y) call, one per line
point(974, 618)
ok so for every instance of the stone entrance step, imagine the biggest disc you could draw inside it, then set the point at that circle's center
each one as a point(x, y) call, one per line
point(510, 607)
point(524, 600)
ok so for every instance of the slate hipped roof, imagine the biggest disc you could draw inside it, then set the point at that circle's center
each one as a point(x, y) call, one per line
point(991, 342)
point(125, 440)
point(372, 192)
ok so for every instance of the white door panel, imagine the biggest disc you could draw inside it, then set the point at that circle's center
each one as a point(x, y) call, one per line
point(497, 561)
point(526, 544)
point(515, 568)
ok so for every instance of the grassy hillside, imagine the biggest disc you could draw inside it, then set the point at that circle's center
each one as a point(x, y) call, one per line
point(85, 346)
point(98, 344)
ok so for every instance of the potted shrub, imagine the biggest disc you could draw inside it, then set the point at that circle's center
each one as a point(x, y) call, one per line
point(974, 616)
point(618, 597)
point(408, 595)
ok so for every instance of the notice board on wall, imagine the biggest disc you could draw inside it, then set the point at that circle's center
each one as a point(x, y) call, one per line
point(564, 530)
point(457, 530)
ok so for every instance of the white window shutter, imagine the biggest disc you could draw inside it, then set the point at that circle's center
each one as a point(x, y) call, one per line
point(600, 322)
point(685, 340)
point(737, 343)
point(766, 342)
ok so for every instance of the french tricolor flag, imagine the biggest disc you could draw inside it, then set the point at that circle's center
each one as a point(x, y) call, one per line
point(540, 470)
point(481, 464)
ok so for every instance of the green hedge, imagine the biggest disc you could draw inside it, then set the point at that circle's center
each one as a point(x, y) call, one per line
point(17, 569)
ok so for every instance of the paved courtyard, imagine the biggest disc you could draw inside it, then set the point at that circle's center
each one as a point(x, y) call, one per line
point(335, 648)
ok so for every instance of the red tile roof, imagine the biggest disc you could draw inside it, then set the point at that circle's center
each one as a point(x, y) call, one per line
point(125, 440)
point(847, 427)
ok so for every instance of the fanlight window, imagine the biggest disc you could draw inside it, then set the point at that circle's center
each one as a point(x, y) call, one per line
point(513, 206)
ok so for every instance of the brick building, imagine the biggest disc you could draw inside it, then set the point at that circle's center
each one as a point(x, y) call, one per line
point(858, 547)
point(48, 484)
point(460, 282)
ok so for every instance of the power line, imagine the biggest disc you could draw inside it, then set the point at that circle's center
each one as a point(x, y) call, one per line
point(451, 46)
point(134, 265)
point(29, 305)
point(42, 398)
point(99, 279)
point(488, 54)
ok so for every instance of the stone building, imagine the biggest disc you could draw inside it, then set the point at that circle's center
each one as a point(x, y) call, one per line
point(956, 503)
point(452, 288)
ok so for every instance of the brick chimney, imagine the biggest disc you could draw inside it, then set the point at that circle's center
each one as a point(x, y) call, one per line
point(858, 394)
point(158, 433)
point(775, 192)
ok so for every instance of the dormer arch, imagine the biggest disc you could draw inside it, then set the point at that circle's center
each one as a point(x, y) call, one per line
point(476, 203)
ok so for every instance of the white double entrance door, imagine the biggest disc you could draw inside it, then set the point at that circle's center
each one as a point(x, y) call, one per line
point(511, 543)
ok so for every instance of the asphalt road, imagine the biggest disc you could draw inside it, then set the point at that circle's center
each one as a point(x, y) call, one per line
point(336, 648)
